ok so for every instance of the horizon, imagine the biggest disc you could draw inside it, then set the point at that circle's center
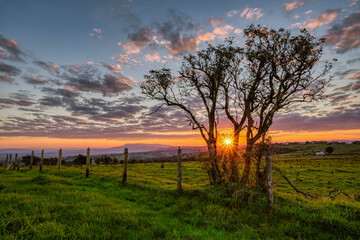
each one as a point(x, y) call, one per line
point(74, 82)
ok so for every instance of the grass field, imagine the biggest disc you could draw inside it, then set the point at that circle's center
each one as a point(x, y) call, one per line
point(68, 206)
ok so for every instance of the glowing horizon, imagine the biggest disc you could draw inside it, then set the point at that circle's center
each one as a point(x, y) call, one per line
point(277, 137)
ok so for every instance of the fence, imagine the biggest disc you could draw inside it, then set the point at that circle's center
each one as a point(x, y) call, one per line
point(16, 164)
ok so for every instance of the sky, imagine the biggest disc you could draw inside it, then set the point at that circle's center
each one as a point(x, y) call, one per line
point(70, 71)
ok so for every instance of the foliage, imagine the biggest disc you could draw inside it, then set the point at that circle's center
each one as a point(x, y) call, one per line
point(80, 160)
point(329, 150)
point(106, 159)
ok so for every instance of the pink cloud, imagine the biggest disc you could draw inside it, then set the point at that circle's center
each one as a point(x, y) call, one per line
point(223, 31)
point(232, 13)
point(155, 57)
point(329, 16)
point(6, 79)
point(203, 37)
point(97, 34)
point(252, 13)
point(293, 5)
point(185, 43)
point(215, 21)
point(114, 68)
point(345, 35)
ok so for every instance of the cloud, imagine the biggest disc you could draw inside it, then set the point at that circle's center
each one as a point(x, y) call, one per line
point(232, 13)
point(21, 98)
point(238, 31)
point(329, 16)
point(338, 97)
point(338, 120)
point(48, 66)
point(35, 80)
point(293, 5)
point(223, 31)
point(345, 73)
point(213, 21)
point(114, 68)
point(252, 13)
point(51, 101)
point(89, 80)
point(350, 87)
point(344, 36)
point(155, 57)
point(356, 76)
point(203, 37)
point(138, 40)
point(176, 31)
point(9, 69)
point(354, 60)
point(184, 43)
point(63, 92)
point(97, 34)
point(125, 59)
point(13, 49)
point(353, 3)
point(6, 79)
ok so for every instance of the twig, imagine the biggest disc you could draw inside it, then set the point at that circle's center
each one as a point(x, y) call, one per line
point(292, 185)
point(337, 193)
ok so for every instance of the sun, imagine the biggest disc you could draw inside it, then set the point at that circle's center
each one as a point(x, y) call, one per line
point(228, 141)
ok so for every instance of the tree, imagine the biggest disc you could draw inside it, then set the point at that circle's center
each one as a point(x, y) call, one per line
point(26, 160)
point(80, 160)
point(278, 71)
point(329, 150)
point(200, 79)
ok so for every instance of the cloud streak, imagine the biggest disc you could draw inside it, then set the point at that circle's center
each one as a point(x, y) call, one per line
point(344, 36)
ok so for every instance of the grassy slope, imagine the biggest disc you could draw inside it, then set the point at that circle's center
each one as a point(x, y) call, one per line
point(43, 205)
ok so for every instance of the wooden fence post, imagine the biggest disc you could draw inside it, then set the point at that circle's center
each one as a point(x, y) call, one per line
point(18, 162)
point(59, 161)
point(269, 183)
point(7, 161)
point(32, 159)
point(41, 160)
point(179, 189)
point(15, 161)
point(10, 161)
point(87, 162)
point(125, 164)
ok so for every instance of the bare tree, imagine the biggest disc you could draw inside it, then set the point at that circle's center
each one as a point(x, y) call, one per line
point(278, 71)
point(196, 91)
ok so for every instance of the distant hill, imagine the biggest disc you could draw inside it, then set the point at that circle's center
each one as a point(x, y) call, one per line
point(133, 148)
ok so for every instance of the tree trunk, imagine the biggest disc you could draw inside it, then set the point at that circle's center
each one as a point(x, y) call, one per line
point(247, 160)
point(214, 169)
point(234, 156)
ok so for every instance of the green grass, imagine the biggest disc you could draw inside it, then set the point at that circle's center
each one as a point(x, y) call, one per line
point(44, 205)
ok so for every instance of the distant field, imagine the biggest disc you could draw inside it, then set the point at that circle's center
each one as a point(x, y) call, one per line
point(310, 149)
point(44, 205)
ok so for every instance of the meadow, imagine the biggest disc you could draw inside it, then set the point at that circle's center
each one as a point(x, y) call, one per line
point(45, 205)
